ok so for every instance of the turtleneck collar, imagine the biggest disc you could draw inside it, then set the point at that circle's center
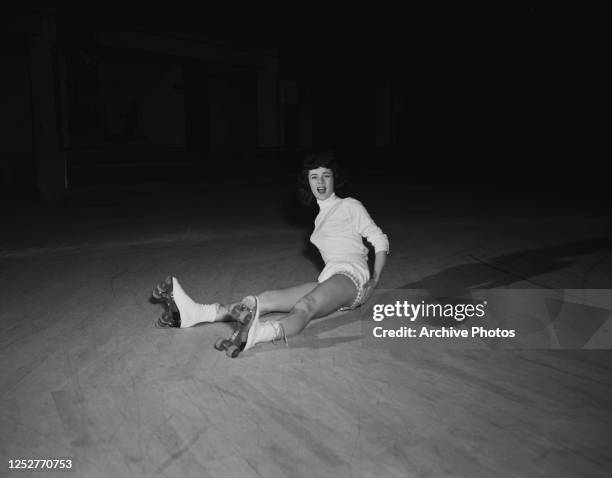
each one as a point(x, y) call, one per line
point(328, 202)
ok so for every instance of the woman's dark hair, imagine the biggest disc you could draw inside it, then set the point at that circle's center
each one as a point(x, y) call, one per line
point(318, 159)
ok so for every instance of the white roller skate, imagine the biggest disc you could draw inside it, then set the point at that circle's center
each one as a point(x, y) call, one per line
point(251, 331)
point(181, 311)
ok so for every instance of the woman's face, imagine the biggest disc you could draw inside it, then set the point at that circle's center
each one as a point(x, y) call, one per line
point(321, 182)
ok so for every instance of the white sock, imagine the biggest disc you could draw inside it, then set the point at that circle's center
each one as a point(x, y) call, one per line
point(191, 312)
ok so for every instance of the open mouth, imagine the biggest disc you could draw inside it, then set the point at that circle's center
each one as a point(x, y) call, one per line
point(321, 190)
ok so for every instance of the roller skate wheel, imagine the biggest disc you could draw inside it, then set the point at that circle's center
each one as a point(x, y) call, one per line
point(220, 343)
point(161, 289)
point(232, 351)
point(164, 321)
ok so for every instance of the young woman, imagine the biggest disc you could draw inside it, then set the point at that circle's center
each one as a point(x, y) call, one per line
point(345, 282)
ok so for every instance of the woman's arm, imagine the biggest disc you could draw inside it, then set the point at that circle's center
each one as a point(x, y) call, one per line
point(367, 228)
point(379, 264)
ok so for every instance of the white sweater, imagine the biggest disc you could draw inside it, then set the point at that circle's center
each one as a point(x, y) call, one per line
point(339, 227)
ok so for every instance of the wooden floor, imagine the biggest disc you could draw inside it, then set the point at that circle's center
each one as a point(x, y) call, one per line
point(84, 375)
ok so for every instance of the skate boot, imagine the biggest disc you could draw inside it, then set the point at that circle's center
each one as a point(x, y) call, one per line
point(251, 331)
point(180, 310)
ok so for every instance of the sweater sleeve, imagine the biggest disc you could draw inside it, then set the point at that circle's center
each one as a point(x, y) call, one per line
point(366, 227)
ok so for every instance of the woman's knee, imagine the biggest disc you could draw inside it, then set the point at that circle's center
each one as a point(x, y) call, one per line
point(307, 306)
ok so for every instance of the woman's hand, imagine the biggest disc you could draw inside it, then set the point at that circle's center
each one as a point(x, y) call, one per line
point(368, 289)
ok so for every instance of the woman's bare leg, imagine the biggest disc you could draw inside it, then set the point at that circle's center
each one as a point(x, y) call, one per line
point(325, 298)
point(279, 300)
point(283, 300)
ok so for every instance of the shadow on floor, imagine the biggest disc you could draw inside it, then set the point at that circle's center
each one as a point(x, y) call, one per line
point(506, 269)
point(450, 285)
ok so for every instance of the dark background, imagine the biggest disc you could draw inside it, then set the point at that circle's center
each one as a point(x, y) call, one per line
point(492, 97)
